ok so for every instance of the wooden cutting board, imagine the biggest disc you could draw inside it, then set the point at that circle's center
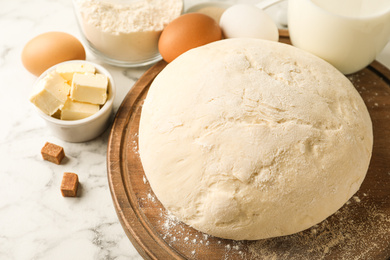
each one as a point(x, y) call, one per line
point(359, 230)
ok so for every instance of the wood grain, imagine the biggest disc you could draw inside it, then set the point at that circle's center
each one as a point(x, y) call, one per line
point(360, 230)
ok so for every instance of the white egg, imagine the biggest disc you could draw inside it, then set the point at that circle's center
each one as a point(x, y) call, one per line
point(248, 21)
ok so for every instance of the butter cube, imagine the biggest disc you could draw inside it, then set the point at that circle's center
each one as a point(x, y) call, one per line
point(74, 110)
point(91, 88)
point(50, 93)
point(68, 69)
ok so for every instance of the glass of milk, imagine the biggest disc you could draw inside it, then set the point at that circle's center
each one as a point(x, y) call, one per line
point(349, 34)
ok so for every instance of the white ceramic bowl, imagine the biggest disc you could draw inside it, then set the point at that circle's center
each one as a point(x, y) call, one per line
point(88, 128)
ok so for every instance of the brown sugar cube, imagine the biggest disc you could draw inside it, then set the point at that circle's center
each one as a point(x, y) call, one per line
point(69, 184)
point(52, 153)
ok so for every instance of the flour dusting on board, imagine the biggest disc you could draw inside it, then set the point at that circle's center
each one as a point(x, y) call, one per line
point(368, 89)
point(340, 236)
point(134, 144)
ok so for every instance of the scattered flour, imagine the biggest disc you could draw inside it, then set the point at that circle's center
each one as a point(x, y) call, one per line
point(357, 231)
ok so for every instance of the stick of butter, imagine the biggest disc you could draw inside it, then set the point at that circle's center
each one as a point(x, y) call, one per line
point(50, 93)
point(74, 110)
point(68, 69)
point(91, 88)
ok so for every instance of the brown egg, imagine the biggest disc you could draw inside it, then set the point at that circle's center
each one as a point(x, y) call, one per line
point(186, 32)
point(48, 49)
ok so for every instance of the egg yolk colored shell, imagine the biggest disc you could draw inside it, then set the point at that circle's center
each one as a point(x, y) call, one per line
point(51, 48)
point(186, 32)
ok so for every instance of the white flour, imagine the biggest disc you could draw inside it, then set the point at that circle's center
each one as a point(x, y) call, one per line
point(126, 32)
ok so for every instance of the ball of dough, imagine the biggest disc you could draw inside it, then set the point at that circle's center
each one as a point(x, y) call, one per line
point(251, 139)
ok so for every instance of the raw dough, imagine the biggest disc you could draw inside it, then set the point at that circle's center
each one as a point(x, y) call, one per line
point(251, 139)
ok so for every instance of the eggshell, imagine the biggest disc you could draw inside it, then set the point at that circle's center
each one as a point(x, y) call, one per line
point(48, 49)
point(186, 32)
point(248, 21)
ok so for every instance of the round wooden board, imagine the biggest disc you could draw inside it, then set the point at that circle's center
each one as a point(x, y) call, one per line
point(359, 230)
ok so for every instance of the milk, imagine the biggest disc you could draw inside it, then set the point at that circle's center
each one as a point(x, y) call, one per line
point(347, 33)
point(354, 8)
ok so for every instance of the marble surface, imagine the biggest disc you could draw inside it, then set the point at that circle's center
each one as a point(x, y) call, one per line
point(36, 222)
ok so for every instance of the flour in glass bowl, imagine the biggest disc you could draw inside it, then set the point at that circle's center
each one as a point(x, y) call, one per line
point(125, 32)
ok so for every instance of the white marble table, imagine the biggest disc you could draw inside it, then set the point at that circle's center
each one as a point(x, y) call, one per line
point(36, 222)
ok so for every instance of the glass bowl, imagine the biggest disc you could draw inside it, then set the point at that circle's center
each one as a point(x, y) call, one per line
point(125, 32)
